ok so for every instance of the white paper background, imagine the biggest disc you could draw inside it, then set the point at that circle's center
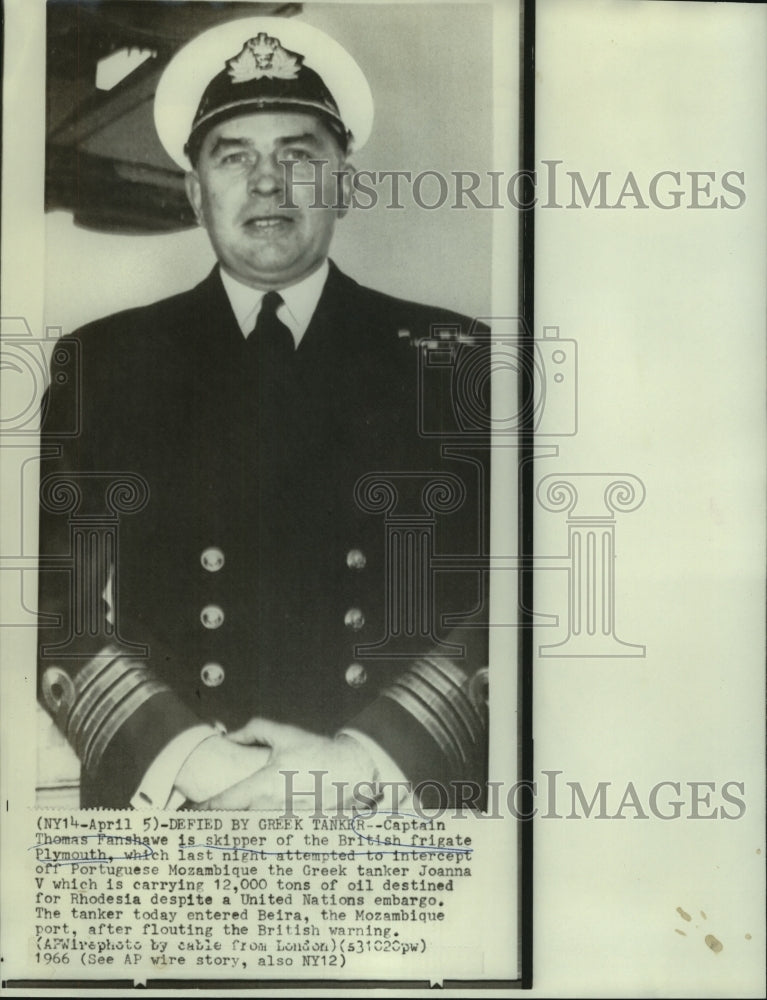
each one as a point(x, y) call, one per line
point(667, 308)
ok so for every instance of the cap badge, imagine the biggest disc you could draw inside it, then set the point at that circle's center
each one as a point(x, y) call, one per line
point(263, 56)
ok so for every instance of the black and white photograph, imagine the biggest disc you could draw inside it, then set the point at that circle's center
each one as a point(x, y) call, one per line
point(265, 473)
point(246, 547)
point(383, 490)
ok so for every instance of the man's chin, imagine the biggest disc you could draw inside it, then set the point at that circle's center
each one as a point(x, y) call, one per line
point(271, 270)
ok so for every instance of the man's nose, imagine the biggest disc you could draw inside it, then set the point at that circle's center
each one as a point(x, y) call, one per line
point(267, 176)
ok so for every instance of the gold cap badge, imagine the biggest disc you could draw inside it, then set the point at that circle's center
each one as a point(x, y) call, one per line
point(263, 56)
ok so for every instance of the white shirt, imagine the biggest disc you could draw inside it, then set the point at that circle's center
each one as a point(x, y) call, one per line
point(299, 303)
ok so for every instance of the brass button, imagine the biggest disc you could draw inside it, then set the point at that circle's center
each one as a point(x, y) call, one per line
point(212, 616)
point(354, 619)
point(212, 559)
point(356, 559)
point(356, 675)
point(212, 675)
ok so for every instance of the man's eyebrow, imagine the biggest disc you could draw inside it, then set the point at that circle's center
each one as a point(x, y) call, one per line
point(228, 142)
point(288, 140)
point(225, 142)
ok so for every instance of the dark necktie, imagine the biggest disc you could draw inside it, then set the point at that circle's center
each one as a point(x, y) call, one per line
point(271, 342)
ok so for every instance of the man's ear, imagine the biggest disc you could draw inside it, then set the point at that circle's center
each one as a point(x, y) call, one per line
point(344, 188)
point(194, 194)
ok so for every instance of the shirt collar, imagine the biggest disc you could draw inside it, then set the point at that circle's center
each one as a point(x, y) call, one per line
point(298, 301)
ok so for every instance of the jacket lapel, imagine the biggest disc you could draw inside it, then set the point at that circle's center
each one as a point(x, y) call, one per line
point(211, 319)
point(336, 319)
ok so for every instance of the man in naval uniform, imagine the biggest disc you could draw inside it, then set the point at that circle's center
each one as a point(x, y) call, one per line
point(258, 563)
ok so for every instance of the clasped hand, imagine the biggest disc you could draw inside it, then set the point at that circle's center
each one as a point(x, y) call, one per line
point(291, 769)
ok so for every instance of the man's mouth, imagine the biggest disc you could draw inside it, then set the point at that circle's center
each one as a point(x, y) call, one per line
point(264, 223)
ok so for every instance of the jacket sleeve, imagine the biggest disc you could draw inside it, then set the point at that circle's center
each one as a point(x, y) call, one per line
point(432, 721)
point(114, 711)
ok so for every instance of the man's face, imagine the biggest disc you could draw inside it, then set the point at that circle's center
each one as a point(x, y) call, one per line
point(264, 233)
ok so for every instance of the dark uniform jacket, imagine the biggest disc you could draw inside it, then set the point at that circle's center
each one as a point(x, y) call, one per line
point(306, 544)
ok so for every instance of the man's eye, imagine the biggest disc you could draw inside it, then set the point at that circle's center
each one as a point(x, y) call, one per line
point(296, 154)
point(233, 159)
